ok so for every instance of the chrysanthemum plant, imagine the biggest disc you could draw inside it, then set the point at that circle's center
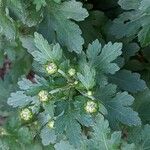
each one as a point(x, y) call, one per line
point(70, 83)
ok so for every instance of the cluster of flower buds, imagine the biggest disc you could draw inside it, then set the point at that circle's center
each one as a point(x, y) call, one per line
point(51, 68)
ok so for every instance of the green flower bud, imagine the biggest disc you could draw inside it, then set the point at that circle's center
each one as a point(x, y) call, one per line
point(76, 82)
point(71, 72)
point(91, 107)
point(89, 93)
point(35, 123)
point(43, 96)
point(51, 124)
point(3, 131)
point(51, 68)
point(26, 114)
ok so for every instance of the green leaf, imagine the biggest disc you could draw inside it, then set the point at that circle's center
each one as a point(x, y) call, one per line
point(33, 88)
point(7, 86)
point(39, 4)
point(108, 54)
point(121, 27)
point(49, 108)
point(40, 49)
point(19, 99)
point(144, 5)
point(126, 146)
point(7, 26)
point(64, 145)
point(128, 81)
point(24, 11)
point(58, 19)
point(13, 123)
point(57, 1)
point(4, 145)
point(24, 135)
point(118, 106)
point(87, 77)
point(129, 4)
point(25, 84)
point(14, 143)
point(102, 137)
point(2, 58)
point(48, 136)
point(130, 50)
point(91, 26)
point(119, 109)
point(141, 137)
point(85, 120)
point(34, 146)
point(103, 58)
point(144, 36)
point(106, 92)
point(133, 23)
point(72, 128)
point(28, 43)
point(43, 118)
point(93, 51)
point(142, 104)
point(46, 52)
point(73, 131)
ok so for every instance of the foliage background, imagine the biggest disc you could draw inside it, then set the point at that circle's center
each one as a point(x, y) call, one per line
point(110, 36)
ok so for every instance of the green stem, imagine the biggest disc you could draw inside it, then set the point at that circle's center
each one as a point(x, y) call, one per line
point(63, 74)
point(70, 97)
point(60, 89)
point(85, 94)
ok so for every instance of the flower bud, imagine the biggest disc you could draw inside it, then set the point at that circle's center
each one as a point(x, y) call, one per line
point(91, 107)
point(51, 68)
point(76, 82)
point(26, 114)
point(71, 72)
point(51, 124)
point(89, 93)
point(43, 96)
point(3, 131)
